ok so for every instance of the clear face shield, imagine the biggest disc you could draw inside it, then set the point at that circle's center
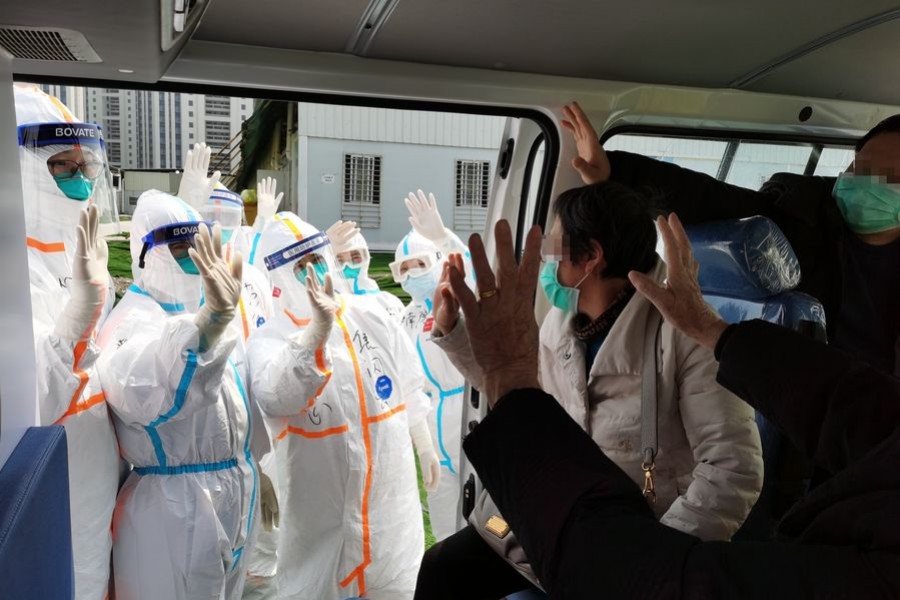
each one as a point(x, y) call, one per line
point(64, 168)
point(167, 272)
point(289, 267)
point(353, 262)
point(227, 209)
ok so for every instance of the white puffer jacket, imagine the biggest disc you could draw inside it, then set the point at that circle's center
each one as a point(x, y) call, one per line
point(709, 467)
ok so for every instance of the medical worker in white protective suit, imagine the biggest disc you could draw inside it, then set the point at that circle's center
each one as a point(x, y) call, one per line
point(329, 373)
point(185, 516)
point(64, 171)
point(417, 268)
point(353, 258)
point(254, 308)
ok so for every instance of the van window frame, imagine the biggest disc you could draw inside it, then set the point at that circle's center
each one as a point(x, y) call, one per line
point(544, 122)
point(734, 138)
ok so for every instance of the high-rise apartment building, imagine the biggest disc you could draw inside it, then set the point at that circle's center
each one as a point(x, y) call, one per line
point(154, 130)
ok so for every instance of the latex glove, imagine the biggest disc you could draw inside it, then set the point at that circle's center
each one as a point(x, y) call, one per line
point(324, 305)
point(428, 459)
point(268, 501)
point(267, 202)
point(221, 285)
point(341, 234)
point(425, 217)
point(88, 287)
point(195, 187)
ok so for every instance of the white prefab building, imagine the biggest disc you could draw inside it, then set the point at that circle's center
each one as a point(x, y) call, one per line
point(358, 163)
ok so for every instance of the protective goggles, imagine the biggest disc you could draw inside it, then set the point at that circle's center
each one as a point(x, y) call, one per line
point(415, 265)
point(178, 236)
point(295, 252)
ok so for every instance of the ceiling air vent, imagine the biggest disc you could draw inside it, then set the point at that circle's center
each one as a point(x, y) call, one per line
point(38, 43)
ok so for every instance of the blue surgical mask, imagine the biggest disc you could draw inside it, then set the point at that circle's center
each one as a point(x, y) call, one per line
point(421, 287)
point(560, 296)
point(227, 234)
point(319, 269)
point(77, 187)
point(351, 272)
point(187, 265)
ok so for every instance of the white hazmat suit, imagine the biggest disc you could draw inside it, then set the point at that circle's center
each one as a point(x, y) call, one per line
point(185, 516)
point(444, 384)
point(332, 383)
point(65, 321)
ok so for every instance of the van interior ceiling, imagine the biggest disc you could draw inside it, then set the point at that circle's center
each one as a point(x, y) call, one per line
point(769, 46)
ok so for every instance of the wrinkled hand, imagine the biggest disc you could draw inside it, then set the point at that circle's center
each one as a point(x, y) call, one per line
point(268, 501)
point(500, 321)
point(221, 281)
point(267, 202)
point(445, 308)
point(341, 234)
point(680, 300)
point(89, 274)
point(425, 217)
point(591, 163)
point(195, 187)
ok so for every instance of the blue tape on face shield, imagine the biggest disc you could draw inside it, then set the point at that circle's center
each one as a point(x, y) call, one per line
point(76, 187)
point(173, 233)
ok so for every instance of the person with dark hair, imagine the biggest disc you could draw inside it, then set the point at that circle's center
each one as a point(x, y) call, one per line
point(645, 393)
point(584, 523)
point(845, 230)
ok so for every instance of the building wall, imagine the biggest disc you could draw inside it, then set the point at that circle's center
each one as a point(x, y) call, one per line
point(404, 168)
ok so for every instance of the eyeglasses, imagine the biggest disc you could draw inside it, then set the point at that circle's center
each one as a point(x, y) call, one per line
point(63, 169)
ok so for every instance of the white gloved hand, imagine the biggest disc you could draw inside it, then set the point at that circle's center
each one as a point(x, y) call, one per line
point(221, 285)
point(341, 234)
point(267, 202)
point(268, 501)
point(324, 305)
point(88, 288)
point(428, 459)
point(195, 187)
point(425, 217)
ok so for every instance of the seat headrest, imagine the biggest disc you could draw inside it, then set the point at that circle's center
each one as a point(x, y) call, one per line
point(747, 258)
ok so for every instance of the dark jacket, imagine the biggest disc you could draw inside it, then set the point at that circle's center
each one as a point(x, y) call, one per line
point(590, 533)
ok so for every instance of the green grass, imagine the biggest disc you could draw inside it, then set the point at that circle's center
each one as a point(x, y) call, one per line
point(119, 259)
point(120, 266)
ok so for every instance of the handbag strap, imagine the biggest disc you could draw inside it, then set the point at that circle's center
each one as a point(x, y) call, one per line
point(650, 401)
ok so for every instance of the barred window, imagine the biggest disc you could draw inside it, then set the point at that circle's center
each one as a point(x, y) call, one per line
point(473, 179)
point(362, 178)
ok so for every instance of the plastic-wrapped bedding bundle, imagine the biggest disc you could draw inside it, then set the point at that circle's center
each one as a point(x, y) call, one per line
point(747, 258)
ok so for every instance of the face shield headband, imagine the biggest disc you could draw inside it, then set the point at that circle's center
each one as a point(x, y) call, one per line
point(170, 234)
point(295, 252)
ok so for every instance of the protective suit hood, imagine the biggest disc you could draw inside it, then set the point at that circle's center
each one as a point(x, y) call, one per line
point(162, 278)
point(285, 240)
